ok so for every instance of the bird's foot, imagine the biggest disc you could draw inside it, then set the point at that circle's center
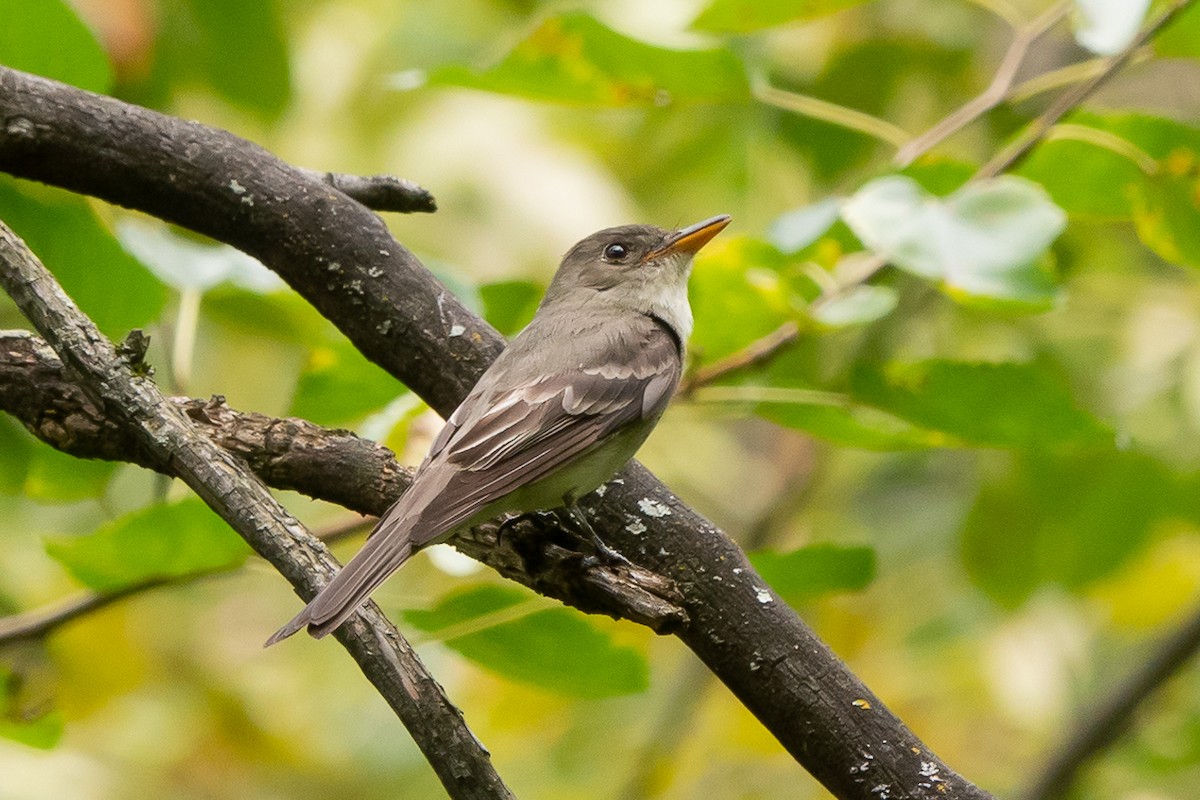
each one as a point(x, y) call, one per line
point(604, 555)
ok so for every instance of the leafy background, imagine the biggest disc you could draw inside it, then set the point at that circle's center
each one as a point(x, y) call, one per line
point(976, 477)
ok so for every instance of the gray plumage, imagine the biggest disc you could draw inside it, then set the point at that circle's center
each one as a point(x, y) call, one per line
point(562, 409)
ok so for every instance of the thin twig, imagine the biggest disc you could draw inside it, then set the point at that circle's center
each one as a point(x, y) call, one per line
point(230, 489)
point(40, 622)
point(989, 98)
point(816, 108)
point(1107, 722)
point(753, 354)
point(766, 348)
point(379, 192)
point(1069, 100)
point(1107, 140)
point(1068, 75)
point(763, 350)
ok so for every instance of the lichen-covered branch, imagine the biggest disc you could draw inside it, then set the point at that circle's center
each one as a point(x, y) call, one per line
point(227, 486)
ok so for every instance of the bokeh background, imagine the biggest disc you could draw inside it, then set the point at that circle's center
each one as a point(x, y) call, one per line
point(985, 499)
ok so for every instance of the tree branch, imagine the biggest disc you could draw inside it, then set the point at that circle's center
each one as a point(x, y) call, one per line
point(762, 350)
point(1070, 99)
point(379, 192)
point(332, 251)
point(330, 465)
point(758, 352)
point(460, 761)
point(1101, 728)
point(989, 98)
point(336, 466)
point(849, 118)
point(35, 624)
point(38, 623)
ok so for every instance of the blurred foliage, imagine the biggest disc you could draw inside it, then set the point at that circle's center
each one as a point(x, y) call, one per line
point(975, 473)
point(550, 648)
point(132, 549)
point(48, 38)
point(573, 58)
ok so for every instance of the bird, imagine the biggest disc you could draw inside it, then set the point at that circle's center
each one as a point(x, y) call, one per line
point(562, 409)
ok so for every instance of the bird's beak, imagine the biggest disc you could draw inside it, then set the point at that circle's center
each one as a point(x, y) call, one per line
point(692, 238)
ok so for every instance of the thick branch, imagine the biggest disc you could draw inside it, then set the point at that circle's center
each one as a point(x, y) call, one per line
point(224, 483)
point(341, 258)
point(285, 453)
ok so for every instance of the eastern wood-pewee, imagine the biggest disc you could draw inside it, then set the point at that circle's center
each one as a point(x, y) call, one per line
point(562, 409)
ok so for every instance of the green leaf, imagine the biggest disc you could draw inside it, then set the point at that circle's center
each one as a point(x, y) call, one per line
point(812, 572)
point(42, 731)
point(55, 477)
point(1166, 213)
point(282, 316)
point(999, 405)
point(857, 305)
point(554, 649)
point(1181, 39)
point(1084, 179)
point(575, 59)
point(795, 230)
point(873, 76)
point(1161, 138)
point(16, 449)
point(339, 385)
point(26, 715)
point(940, 176)
point(744, 16)
point(828, 415)
point(510, 305)
point(836, 419)
point(738, 293)
point(185, 263)
point(170, 540)
point(111, 287)
point(1106, 26)
point(1129, 166)
point(985, 240)
point(237, 49)
point(46, 37)
point(1066, 521)
point(1166, 204)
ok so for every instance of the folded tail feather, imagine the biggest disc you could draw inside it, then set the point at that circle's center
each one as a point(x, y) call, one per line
point(381, 556)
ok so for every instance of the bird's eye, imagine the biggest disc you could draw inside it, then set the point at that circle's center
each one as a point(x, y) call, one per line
point(615, 252)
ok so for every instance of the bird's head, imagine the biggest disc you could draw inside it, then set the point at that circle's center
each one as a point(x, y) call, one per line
point(640, 267)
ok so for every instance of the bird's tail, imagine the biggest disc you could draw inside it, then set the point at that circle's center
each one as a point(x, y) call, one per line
point(382, 555)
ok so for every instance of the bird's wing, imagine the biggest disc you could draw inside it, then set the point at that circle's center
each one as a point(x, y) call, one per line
point(522, 433)
point(500, 439)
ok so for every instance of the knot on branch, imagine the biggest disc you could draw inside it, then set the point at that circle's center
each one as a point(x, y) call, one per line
point(132, 351)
